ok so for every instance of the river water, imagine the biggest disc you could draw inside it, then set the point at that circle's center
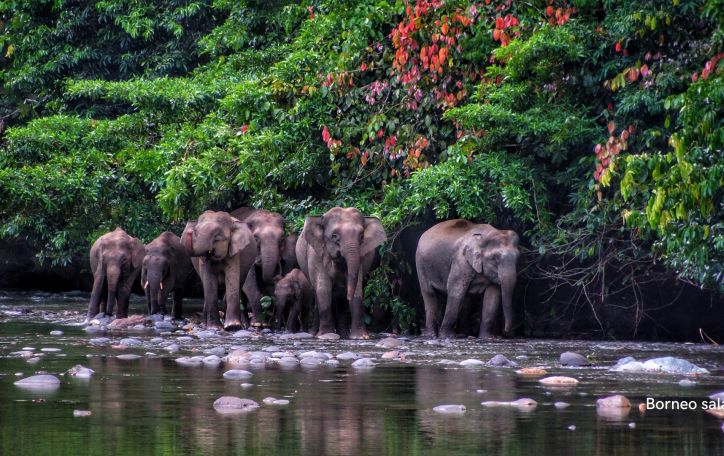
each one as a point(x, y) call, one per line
point(153, 405)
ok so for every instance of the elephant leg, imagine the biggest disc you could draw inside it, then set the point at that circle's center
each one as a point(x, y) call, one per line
point(233, 317)
point(253, 294)
point(323, 293)
point(432, 310)
point(491, 300)
point(149, 305)
point(96, 294)
point(162, 301)
point(178, 297)
point(452, 310)
point(211, 296)
point(357, 307)
point(293, 318)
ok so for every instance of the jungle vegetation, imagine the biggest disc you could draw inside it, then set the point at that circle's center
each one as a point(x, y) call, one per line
point(592, 127)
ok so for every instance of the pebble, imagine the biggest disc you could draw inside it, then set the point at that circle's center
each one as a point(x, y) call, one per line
point(157, 340)
point(28, 349)
point(163, 325)
point(574, 359)
point(559, 381)
point(296, 336)
point(56, 332)
point(184, 339)
point(246, 385)
point(450, 409)
point(363, 363)
point(231, 404)
point(269, 400)
point(271, 349)
point(128, 357)
point(288, 361)
point(572, 427)
point(524, 404)
point(501, 361)
point(281, 402)
point(632, 425)
point(237, 374)
point(205, 334)
point(43, 381)
point(472, 363)
point(390, 354)
point(481, 391)
point(347, 356)
point(81, 413)
point(561, 405)
point(50, 349)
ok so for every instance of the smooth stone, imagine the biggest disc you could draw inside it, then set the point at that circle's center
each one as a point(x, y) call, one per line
point(572, 427)
point(138, 327)
point(315, 354)
point(390, 355)
point(450, 409)
point(154, 318)
point(522, 357)
point(212, 360)
point(310, 361)
point(92, 329)
point(281, 402)
point(56, 332)
point(296, 336)
point(363, 363)
point(237, 374)
point(282, 354)
point(532, 371)
point(389, 342)
point(80, 371)
point(558, 380)
point(574, 359)
point(123, 323)
point(269, 400)
point(232, 404)
point(50, 349)
point(33, 360)
point(119, 347)
point(622, 361)
point(717, 396)
point(39, 382)
point(523, 404)
point(99, 341)
point(561, 405)
point(22, 353)
point(218, 351)
point(613, 408)
point(28, 349)
point(130, 342)
point(157, 340)
point(501, 361)
point(630, 367)
point(288, 361)
point(246, 385)
point(481, 391)
point(188, 361)
point(163, 325)
point(82, 413)
point(347, 356)
point(632, 425)
point(184, 339)
point(271, 349)
point(329, 336)
point(205, 334)
point(472, 363)
point(686, 382)
point(671, 365)
point(128, 357)
point(243, 333)
point(331, 363)
point(173, 348)
point(616, 401)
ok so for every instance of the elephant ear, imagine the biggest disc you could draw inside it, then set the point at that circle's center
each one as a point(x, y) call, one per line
point(474, 253)
point(187, 237)
point(139, 251)
point(242, 213)
point(513, 238)
point(289, 255)
point(314, 232)
point(374, 235)
point(241, 237)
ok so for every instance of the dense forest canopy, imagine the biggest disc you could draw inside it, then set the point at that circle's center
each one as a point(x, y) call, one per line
point(593, 128)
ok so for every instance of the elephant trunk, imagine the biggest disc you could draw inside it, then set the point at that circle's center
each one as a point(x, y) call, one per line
point(269, 262)
point(113, 275)
point(507, 287)
point(350, 250)
point(153, 281)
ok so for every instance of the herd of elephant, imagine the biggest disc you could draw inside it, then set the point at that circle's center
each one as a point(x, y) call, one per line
point(248, 251)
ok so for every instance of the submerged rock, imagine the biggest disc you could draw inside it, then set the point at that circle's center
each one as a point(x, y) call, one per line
point(501, 361)
point(329, 336)
point(189, 361)
point(664, 365)
point(39, 382)
point(130, 342)
point(237, 374)
point(125, 323)
point(561, 405)
point(232, 404)
point(472, 363)
point(347, 356)
point(128, 357)
point(80, 371)
point(450, 409)
point(56, 332)
point(390, 342)
point(613, 407)
point(532, 371)
point(574, 359)
point(363, 363)
point(558, 380)
point(524, 404)
point(82, 413)
point(99, 341)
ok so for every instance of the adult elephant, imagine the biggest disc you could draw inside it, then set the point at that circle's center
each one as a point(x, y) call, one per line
point(165, 269)
point(275, 255)
point(462, 259)
point(115, 260)
point(336, 251)
point(222, 250)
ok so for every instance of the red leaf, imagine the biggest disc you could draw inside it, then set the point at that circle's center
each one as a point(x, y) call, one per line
point(618, 46)
point(645, 71)
point(499, 23)
point(496, 34)
point(325, 135)
point(549, 10)
point(611, 127)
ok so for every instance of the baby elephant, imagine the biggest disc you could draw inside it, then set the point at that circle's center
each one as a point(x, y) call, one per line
point(165, 268)
point(461, 259)
point(293, 293)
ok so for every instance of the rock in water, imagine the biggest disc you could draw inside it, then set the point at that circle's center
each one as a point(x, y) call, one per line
point(613, 407)
point(501, 361)
point(450, 409)
point(561, 405)
point(671, 365)
point(524, 404)
point(125, 323)
point(81, 413)
point(347, 356)
point(237, 374)
point(574, 359)
point(472, 363)
point(79, 371)
point(232, 404)
point(558, 381)
point(363, 363)
point(329, 336)
point(531, 371)
point(389, 342)
point(56, 332)
point(129, 357)
point(39, 382)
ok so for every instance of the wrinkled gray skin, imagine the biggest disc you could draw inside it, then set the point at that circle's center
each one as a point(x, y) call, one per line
point(293, 295)
point(165, 269)
point(115, 260)
point(336, 252)
point(461, 259)
point(222, 251)
point(275, 255)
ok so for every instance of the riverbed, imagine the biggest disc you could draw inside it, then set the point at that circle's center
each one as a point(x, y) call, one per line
point(152, 404)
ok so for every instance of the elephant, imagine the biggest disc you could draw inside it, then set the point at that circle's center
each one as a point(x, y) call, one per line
point(165, 269)
point(222, 251)
point(275, 255)
point(462, 259)
point(293, 295)
point(115, 260)
point(336, 251)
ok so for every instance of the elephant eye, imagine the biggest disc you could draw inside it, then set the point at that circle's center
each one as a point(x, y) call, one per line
point(334, 237)
point(361, 237)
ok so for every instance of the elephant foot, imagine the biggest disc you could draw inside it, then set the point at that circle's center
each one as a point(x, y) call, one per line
point(255, 323)
point(233, 325)
point(359, 335)
point(448, 335)
point(214, 325)
point(429, 333)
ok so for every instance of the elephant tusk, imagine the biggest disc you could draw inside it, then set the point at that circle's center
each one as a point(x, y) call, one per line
point(145, 285)
point(161, 285)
